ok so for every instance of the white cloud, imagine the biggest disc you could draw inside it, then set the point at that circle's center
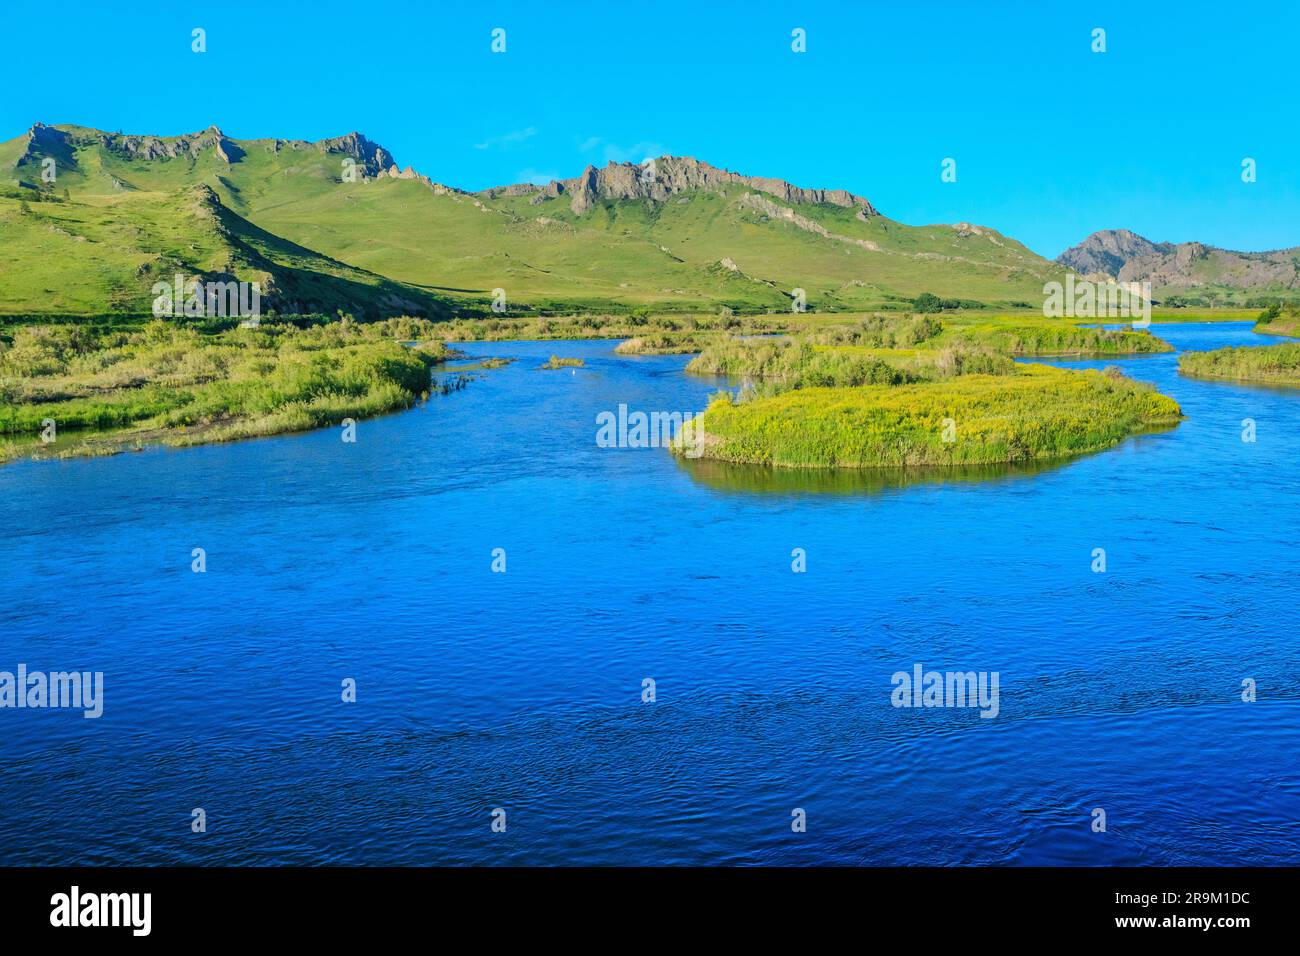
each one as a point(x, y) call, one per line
point(509, 140)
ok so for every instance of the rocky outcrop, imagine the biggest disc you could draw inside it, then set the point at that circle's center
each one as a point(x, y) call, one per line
point(1127, 257)
point(392, 172)
point(659, 179)
point(41, 137)
point(170, 147)
point(373, 161)
point(772, 210)
point(1106, 252)
point(43, 141)
point(371, 157)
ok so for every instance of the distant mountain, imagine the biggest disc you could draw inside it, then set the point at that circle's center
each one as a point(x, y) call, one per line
point(673, 233)
point(1191, 271)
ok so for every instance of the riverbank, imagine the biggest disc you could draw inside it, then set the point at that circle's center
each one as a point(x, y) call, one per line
point(1263, 365)
point(72, 390)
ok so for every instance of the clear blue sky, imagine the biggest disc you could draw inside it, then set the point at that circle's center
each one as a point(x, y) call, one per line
point(1051, 140)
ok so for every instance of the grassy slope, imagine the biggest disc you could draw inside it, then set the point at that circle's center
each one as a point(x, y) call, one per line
point(703, 228)
point(102, 254)
point(1275, 320)
point(662, 255)
point(129, 224)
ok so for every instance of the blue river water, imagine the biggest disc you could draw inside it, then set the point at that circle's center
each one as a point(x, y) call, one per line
point(326, 560)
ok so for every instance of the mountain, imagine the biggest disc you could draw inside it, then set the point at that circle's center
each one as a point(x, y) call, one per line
point(1188, 271)
point(661, 179)
point(102, 249)
point(323, 218)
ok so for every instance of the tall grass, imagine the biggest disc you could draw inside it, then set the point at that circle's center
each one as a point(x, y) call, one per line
point(1268, 364)
point(186, 383)
point(1055, 338)
point(1038, 413)
point(772, 366)
point(1277, 319)
point(775, 365)
point(881, 332)
point(664, 343)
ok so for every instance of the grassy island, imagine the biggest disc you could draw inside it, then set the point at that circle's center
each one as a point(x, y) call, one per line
point(1263, 364)
point(663, 343)
point(1260, 364)
point(1036, 412)
point(912, 392)
point(108, 390)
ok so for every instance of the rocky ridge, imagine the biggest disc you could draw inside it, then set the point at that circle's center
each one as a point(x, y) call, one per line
point(667, 176)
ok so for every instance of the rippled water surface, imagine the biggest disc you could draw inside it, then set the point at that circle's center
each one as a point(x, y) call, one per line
point(522, 690)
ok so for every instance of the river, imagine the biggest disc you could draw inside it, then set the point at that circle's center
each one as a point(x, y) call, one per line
point(476, 690)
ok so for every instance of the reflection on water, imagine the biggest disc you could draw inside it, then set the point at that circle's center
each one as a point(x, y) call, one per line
point(729, 476)
point(78, 443)
point(1281, 388)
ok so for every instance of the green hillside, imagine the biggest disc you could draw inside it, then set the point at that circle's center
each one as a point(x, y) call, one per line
point(94, 242)
point(335, 224)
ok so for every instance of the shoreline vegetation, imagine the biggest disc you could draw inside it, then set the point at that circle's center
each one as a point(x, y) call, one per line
point(1028, 334)
point(1254, 364)
point(915, 393)
point(168, 384)
point(115, 387)
point(1276, 320)
point(1258, 364)
point(1038, 413)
